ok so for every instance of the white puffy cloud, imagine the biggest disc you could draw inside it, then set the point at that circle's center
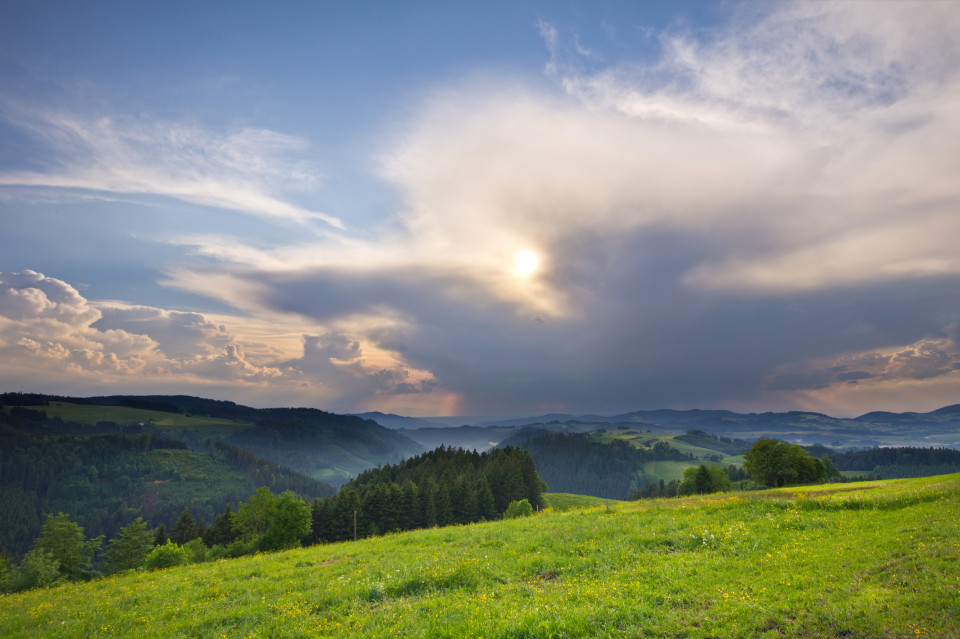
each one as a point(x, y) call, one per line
point(52, 337)
point(178, 335)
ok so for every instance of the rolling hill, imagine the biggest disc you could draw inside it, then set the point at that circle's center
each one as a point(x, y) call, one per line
point(326, 446)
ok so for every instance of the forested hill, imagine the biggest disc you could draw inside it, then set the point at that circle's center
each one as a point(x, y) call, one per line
point(326, 446)
point(306, 439)
point(104, 481)
point(893, 463)
point(579, 463)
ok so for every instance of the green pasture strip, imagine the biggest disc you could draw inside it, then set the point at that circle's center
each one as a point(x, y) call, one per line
point(567, 501)
point(641, 438)
point(666, 470)
point(876, 559)
point(91, 414)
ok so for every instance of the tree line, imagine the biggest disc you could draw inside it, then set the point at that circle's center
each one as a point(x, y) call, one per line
point(438, 488)
point(442, 487)
point(896, 462)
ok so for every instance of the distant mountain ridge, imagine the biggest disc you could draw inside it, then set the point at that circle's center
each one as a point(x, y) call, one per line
point(398, 422)
point(939, 427)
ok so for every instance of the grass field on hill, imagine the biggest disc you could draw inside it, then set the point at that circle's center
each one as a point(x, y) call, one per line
point(566, 501)
point(92, 413)
point(877, 559)
point(642, 438)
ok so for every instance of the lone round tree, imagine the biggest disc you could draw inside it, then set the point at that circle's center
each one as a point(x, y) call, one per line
point(775, 463)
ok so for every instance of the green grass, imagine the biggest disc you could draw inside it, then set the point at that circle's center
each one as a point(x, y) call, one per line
point(566, 501)
point(642, 438)
point(877, 559)
point(666, 470)
point(91, 414)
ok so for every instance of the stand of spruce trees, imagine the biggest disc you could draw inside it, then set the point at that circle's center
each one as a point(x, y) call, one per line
point(442, 487)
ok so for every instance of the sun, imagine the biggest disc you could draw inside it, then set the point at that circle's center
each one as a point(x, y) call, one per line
point(526, 263)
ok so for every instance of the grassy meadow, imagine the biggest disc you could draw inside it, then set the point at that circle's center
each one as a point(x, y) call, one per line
point(876, 559)
point(567, 501)
point(91, 414)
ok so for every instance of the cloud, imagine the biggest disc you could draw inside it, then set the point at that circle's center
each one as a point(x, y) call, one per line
point(45, 324)
point(764, 214)
point(859, 95)
point(779, 192)
point(244, 170)
point(50, 335)
point(925, 359)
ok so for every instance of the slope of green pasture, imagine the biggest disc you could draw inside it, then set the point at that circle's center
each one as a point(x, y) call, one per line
point(666, 470)
point(641, 438)
point(93, 413)
point(877, 559)
point(567, 501)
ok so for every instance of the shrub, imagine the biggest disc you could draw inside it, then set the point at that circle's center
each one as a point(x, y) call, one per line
point(239, 548)
point(195, 550)
point(516, 509)
point(169, 554)
point(216, 552)
point(38, 569)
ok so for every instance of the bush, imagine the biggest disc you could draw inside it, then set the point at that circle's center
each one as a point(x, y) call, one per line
point(38, 569)
point(516, 509)
point(169, 554)
point(703, 480)
point(216, 552)
point(195, 550)
point(4, 574)
point(239, 548)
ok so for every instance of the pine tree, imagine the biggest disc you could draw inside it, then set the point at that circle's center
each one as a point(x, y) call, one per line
point(221, 532)
point(130, 548)
point(411, 514)
point(486, 506)
point(185, 529)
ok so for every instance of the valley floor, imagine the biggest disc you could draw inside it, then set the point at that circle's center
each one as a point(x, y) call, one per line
point(878, 559)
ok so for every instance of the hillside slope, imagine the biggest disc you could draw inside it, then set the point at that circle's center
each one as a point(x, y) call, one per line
point(326, 446)
point(876, 559)
point(105, 481)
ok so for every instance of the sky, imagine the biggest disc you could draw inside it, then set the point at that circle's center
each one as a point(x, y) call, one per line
point(458, 208)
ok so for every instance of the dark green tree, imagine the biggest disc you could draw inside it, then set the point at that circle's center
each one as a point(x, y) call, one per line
point(702, 480)
point(130, 548)
point(444, 504)
point(323, 518)
point(830, 471)
point(221, 532)
point(252, 520)
point(411, 514)
point(160, 538)
point(65, 542)
point(185, 529)
point(289, 523)
point(485, 503)
point(776, 463)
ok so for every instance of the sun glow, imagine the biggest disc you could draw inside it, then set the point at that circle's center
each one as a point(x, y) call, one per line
point(526, 263)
